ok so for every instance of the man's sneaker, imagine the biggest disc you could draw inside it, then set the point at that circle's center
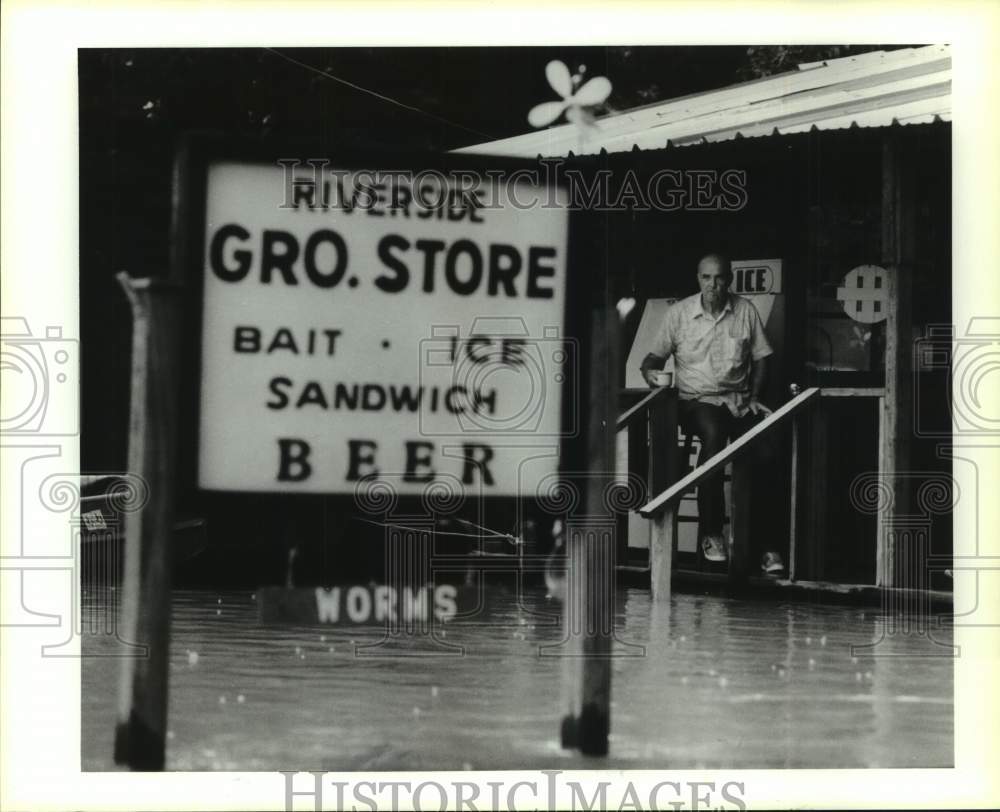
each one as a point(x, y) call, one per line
point(771, 564)
point(713, 548)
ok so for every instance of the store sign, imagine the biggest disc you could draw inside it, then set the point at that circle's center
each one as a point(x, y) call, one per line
point(366, 604)
point(863, 294)
point(369, 325)
point(756, 276)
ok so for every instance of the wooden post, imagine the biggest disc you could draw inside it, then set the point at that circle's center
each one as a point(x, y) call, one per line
point(739, 519)
point(897, 406)
point(793, 499)
point(638, 467)
point(895, 424)
point(663, 471)
point(662, 542)
point(883, 553)
point(589, 606)
point(810, 562)
point(140, 735)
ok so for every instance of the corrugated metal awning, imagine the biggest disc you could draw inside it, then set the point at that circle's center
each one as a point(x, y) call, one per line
point(908, 86)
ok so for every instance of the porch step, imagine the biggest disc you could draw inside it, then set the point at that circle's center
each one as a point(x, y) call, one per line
point(756, 586)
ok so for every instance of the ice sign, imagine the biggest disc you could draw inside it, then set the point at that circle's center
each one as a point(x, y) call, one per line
point(756, 276)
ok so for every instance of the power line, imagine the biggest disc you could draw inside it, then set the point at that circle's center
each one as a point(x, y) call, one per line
point(377, 95)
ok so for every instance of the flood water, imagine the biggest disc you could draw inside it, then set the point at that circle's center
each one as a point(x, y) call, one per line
point(708, 682)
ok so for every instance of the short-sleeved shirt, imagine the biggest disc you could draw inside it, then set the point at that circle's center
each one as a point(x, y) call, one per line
point(712, 355)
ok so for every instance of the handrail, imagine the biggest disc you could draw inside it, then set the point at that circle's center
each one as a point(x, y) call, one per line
point(852, 391)
point(734, 449)
point(628, 416)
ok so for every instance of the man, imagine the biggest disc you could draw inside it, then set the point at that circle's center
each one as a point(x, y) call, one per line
point(720, 362)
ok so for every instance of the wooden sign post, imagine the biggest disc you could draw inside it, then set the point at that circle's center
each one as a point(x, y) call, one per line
point(140, 736)
point(588, 611)
point(356, 321)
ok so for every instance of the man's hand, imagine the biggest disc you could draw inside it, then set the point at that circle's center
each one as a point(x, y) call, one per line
point(758, 408)
point(651, 364)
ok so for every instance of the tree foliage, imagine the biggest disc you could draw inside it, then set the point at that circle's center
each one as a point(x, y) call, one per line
point(767, 60)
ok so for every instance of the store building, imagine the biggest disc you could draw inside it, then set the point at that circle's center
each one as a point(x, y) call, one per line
point(840, 172)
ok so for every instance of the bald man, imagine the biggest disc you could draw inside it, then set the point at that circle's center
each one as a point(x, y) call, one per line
point(720, 364)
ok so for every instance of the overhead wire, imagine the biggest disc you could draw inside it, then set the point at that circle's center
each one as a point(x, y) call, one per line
point(378, 95)
point(481, 535)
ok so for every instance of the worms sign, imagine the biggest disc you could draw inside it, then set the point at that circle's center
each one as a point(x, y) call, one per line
point(360, 323)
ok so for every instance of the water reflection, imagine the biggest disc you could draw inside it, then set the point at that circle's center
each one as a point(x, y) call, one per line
point(722, 683)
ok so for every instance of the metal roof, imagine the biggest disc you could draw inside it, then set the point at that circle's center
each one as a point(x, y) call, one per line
point(907, 86)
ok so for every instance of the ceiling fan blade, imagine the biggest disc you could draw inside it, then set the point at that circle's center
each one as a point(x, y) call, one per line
point(558, 75)
point(543, 114)
point(594, 91)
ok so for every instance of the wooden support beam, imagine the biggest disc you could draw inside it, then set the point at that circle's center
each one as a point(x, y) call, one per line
point(793, 498)
point(735, 449)
point(638, 469)
point(739, 519)
point(662, 545)
point(140, 735)
point(664, 466)
point(589, 607)
point(896, 423)
point(816, 539)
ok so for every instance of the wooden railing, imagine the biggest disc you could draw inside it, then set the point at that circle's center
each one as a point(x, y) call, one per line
point(644, 405)
point(662, 509)
point(732, 451)
point(653, 457)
